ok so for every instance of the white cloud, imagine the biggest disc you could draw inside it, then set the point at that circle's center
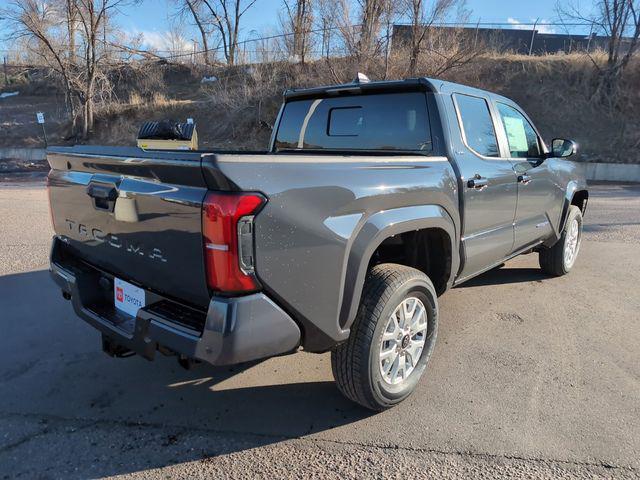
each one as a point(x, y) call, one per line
point(518, 25)
point(163, 41)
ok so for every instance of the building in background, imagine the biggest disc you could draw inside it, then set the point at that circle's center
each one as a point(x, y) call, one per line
point(501, 40)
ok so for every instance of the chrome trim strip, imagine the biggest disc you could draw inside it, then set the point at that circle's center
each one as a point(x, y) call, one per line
point(320, 159)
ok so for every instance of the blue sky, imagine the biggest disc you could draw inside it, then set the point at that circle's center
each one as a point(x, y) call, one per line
point(152, 17)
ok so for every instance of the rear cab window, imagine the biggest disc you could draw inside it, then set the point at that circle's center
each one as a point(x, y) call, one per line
point(380, 121)
point(477, 125)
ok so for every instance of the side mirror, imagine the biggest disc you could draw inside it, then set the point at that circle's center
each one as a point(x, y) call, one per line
point(561, 148)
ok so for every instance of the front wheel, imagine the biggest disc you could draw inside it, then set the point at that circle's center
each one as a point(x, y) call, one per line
point(391, 339)
point(560, 258)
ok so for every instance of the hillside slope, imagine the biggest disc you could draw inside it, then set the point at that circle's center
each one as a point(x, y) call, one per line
point(238, 109)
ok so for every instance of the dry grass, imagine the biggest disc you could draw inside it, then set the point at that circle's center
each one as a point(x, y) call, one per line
point(239, 109)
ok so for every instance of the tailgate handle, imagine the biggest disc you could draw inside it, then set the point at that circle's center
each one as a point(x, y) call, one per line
point(104, 196)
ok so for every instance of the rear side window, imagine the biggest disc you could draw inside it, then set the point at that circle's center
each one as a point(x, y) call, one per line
point(383, 121)
point(523, 139)
point(477, 125)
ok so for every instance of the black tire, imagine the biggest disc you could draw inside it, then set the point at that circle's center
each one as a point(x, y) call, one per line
point(356, 363)
point(552, 259)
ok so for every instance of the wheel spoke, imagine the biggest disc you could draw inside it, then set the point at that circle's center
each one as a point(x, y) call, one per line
point(395, 365)
point(389, 336)
point(407, 322)
point(402, 317)
point(388, 353)
point(414, 351)
point(418, 319)
point(409, 357)
point(572, 243)
point(402, 367)
point(409, 308)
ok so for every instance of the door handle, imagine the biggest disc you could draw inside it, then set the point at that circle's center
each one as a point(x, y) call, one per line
point(477, 182)
point(524, 178)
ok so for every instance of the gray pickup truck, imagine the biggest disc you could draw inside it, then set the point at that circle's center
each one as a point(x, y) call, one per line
point(373, 199)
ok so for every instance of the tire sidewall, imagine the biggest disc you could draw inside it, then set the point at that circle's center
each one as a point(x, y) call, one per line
point(418, 288)
point(574, 214)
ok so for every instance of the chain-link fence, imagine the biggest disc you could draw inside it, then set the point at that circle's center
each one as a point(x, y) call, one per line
point(534, 38)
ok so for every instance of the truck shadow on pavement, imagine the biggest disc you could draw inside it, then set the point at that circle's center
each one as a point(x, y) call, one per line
point(53, 373)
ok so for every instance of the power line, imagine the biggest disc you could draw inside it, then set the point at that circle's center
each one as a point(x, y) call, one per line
point(324, 30)
point(171, 55)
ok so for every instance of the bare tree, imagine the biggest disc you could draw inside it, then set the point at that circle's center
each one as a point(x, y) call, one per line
point(360, 38)
point(226, 16)
point(176, 43)
point(325, 18)
point(447, 49)
point(193, 9)
point(619, 20)
point(71, 14)
point(297, 23)
point(338, 13)
point(423, 14)
point(52, 30)
point(42, 28)
point(371, 16)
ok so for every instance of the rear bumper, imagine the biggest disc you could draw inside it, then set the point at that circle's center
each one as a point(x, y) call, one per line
point(231, 331)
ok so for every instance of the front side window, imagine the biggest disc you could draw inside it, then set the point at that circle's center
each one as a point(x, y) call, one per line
point(380, 121)
point(523, 140)
point(477, 125)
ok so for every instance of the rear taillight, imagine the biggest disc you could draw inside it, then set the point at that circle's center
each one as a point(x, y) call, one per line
point(227, 229)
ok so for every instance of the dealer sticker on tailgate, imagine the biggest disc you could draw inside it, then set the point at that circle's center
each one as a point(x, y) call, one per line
point(127, 298)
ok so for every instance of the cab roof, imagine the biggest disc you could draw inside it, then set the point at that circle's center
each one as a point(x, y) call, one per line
point(432, 85)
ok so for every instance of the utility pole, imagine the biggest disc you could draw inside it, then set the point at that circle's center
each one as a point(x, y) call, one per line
point(533, 35)
point(4, 64)
point(475, 41)
point(590, 38)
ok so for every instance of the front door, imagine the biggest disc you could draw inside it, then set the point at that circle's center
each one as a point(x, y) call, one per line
point(538, 204)
point(489, 188)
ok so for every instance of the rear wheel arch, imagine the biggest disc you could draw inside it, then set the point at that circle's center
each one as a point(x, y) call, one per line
point(428, 250)
point(373, 245)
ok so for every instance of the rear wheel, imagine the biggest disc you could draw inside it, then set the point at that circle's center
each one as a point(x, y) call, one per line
point(391, 339)
point(560, 258)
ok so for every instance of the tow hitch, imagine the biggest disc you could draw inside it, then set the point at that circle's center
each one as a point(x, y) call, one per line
point(114, 350)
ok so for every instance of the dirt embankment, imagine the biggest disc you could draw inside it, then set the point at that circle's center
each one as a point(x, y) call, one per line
point(238, 109)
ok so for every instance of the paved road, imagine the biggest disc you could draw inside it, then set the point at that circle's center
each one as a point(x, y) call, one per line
point(531, 377)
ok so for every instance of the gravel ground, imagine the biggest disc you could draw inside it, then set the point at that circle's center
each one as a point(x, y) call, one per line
point(532, 377)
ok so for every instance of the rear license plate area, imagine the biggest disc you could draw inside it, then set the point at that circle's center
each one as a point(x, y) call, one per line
point(127, 297)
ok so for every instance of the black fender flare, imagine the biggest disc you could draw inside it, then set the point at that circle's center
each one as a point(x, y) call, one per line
point(573, 186)
point(378, 227)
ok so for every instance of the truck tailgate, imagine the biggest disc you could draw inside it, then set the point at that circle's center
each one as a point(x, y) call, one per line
point(134, 214)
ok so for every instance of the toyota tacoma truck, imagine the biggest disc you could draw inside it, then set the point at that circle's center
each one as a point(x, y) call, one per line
point(373, 199)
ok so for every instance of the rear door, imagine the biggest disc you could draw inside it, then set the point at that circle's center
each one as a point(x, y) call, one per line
point(488, 183)
point(134, 214)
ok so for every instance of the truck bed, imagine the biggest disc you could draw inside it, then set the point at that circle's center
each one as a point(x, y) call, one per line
point(306, 236)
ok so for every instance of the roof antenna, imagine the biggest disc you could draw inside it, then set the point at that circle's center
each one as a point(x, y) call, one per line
point(361, 78)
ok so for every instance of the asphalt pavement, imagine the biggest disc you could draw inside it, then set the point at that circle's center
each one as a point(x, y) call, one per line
point(531, 377)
